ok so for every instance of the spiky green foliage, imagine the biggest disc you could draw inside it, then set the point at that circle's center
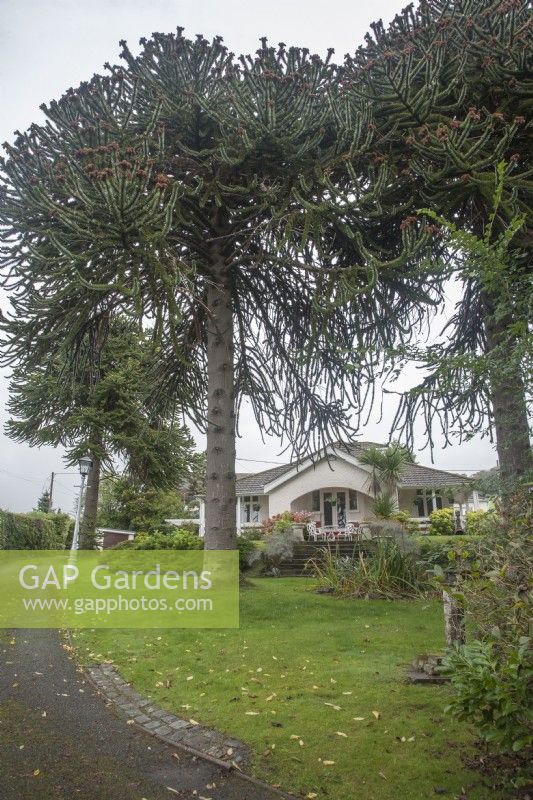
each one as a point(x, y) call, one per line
point(100, 408)
point(191, 184)
point(468, 371)
point(142, 183)
point(387, 461)
point(450, 83)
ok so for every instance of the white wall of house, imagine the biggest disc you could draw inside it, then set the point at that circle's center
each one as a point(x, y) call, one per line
point(252, 509)
point(338, 473)
point(407, 499)
point(363, 510)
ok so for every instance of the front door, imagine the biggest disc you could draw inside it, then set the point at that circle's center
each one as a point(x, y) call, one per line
point(334, 513)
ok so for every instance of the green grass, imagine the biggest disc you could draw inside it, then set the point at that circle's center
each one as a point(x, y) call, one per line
point(296, 657)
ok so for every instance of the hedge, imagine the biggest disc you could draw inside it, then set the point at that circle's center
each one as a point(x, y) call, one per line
point(33, 531)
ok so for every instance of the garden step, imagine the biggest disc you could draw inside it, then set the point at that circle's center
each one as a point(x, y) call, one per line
point(304, 552)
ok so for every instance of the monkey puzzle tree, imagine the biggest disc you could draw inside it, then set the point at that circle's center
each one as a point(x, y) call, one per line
point(99, 408)
point(451, 84)
point(220, 197)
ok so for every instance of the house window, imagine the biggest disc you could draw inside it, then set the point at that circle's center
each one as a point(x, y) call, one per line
point(251, 508)
point(353, 500)
point(427, 500)
point(315, 501)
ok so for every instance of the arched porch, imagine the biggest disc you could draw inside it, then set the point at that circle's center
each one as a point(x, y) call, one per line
point(334, 506)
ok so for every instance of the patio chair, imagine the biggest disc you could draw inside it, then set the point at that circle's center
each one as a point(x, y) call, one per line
point(351, 531)
point(314, 534)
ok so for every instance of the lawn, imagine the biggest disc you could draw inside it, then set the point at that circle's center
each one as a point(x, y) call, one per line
point(315, 685)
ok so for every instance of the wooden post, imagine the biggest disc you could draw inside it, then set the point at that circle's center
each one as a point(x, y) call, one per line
point(50, 506)
point(454, 618)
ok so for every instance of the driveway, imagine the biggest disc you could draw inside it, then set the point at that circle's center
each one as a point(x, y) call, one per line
point(58, 739)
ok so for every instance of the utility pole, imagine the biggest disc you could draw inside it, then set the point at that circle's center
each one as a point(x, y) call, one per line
point(51, 490)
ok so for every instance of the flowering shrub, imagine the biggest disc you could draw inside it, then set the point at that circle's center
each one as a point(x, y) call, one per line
point(283, 522)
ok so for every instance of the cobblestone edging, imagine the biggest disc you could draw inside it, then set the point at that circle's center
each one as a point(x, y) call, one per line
point(184, 733)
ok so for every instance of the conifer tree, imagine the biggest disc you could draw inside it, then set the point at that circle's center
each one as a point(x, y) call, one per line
point(244, 205)
point(451, 84)
point(43, 503)
point(101, 408)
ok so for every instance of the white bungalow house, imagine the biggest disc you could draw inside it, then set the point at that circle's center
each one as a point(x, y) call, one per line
point(336, 489)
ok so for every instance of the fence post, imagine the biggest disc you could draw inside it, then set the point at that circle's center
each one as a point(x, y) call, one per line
point(454, 617)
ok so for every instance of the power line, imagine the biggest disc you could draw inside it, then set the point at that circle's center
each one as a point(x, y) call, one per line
point(21, 477)
point(263, 461)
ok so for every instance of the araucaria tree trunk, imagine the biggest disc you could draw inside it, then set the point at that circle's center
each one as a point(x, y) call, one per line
point(509, 407)
point(220, 522)
point(90, 509)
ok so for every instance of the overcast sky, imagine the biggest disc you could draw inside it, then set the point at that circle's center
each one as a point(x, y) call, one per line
point(47, 46)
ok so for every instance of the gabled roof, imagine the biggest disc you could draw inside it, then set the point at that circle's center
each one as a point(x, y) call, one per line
point(428, 477)
point(256, 482)
point(414, 475)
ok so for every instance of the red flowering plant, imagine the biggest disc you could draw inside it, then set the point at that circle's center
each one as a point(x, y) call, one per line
point(282, 522)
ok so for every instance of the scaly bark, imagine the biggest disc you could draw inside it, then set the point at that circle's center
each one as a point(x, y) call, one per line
point(509, 407)
point(220, 521)
point(90, 509)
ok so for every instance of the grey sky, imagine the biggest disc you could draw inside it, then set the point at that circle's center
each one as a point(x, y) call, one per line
point(48, 45)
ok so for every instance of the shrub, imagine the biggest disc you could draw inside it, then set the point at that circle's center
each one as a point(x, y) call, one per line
point(62, 523)
point(479, 522)
point(34, 531)
point(254, 534)
point(178, 540)
point(406, 521)
point(492, 675)
point(441, 522)
point(383, 506)
point(386, 573)
point(283, 522)
point(279, 545)
point(441, 551)
point(248, 552)
point(392, 530)
point(493, 691)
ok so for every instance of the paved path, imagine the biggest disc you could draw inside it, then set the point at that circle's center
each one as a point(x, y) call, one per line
point(59, 741)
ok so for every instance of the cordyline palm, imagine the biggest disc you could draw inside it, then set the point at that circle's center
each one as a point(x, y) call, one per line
point(450, 82)
point(219, 197)
point(387, 467)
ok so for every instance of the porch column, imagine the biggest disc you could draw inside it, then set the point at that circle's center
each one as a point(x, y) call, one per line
point(475, 499)
point(238, 521)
